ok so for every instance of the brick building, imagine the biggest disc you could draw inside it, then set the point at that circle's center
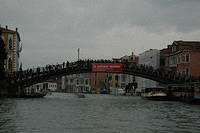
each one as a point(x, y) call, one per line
point(183, 57)
point(98, 81)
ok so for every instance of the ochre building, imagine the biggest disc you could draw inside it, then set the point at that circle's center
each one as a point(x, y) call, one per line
point(12, 40)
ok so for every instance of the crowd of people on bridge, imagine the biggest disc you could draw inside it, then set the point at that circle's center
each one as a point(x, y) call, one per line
point(86, 65)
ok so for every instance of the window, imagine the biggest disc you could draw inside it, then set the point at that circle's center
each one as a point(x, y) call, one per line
point(162, 62)
point(183, 59)
point(166, 62)
point(86, 81)
point(174, 48)
point(134, 79)
point(123, 78)
point(173, 60)
point(10, 43)
point(77, 82)
point(116, 77)
point(81, 81)
point(179, 59)
point(9, 64)
point(116, 84)
point(187, 58)
point(95, 77)
point(187, 72)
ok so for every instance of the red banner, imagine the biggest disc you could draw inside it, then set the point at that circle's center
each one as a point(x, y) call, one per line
point(106, 67)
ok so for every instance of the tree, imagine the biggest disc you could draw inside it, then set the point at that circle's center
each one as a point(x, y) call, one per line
point(3, 56)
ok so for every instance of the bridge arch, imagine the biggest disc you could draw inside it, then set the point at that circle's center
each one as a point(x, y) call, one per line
point(32, 76)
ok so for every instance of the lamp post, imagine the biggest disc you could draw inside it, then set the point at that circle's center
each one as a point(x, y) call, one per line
point(78, 53)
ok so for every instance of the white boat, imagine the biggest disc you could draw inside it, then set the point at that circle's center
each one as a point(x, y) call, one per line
point(120, 91)
point(117, 91)
point(154, 93)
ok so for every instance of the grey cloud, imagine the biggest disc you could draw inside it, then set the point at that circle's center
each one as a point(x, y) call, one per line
point(101, 28)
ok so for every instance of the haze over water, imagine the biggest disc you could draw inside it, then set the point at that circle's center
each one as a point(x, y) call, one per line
point(65, 113)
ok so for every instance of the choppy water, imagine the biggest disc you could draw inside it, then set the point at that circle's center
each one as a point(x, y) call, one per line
point(65, 113)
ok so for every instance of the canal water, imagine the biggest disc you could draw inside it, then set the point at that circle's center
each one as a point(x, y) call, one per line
point(66, 113)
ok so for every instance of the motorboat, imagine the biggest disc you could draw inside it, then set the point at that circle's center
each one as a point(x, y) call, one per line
point(80, 95)
point(154, 93)
point(120, 91)
point(104, 91)
point(117, 91)
point(35, 95)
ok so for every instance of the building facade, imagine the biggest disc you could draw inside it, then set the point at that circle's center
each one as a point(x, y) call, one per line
point(51, 86)
point(98, 82)
point(12, 40)
point(37, 88)
point(122, 80)
point(183, 58)
point(77, 83)
point(40, 87)
point(149, 58)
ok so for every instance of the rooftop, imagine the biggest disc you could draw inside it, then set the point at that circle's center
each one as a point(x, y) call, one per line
point(6, 30)
point(187, 43)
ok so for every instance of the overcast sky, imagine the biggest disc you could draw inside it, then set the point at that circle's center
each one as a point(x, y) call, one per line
point(52, 30)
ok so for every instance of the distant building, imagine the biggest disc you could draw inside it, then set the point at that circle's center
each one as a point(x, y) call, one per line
point(83, 82)
point(183, 57)
point(39, 87)
point(98, 82)
point(12, 40)
point(70, 83)
point(77, 83)
point(149, 58)
point(130, 58)
point(122, 80)
point(52, 86)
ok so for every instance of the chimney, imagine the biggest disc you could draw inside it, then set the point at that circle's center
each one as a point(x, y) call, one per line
point(6, 26)
point(16, 29)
